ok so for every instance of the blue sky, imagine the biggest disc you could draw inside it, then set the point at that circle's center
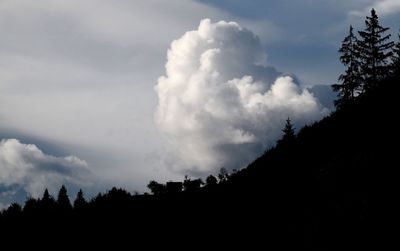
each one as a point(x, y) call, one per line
point(77, 78)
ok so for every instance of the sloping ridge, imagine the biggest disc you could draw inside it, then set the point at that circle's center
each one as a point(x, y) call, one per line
point(334, 186)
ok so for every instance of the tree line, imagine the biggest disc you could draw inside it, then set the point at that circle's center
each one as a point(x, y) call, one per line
point(48, 205)
point(188, 184)
point(369, 56)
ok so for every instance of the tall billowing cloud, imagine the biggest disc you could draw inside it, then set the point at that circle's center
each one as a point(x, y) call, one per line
point(26, 167)
point(220, 105)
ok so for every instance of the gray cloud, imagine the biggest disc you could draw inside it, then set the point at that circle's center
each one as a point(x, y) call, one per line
point(25, 166)
point(220, 105)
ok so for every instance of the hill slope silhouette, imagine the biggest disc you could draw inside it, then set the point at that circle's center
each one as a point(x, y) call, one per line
point(333, 184)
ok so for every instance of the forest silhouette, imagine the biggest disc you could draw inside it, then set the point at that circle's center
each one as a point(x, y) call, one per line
point(331, 185)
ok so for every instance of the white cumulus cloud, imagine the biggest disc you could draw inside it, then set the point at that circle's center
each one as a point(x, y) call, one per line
point(219, 104)
point(25, 166)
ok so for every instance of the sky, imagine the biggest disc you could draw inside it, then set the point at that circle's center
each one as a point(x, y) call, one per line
point(96, 94)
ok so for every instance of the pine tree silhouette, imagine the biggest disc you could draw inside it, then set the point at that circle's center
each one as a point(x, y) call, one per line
point(47, 202)
point(80, 202)
point(351, 80)
point(46, 195)
point(14, 210)
point(396, 58)
point(375, 51)
point(288, 134)
point(63, 201)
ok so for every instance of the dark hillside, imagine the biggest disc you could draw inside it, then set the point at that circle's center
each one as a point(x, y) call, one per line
point(338, 177)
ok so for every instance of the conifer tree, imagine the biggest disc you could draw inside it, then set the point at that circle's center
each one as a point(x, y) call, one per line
point(63, 199)
point(351, 80)
point(46, 195)
point(46, 205)
point(288, 134)
point(47, 200)
point(396, 58)
point(374, 49)
point(80, 201)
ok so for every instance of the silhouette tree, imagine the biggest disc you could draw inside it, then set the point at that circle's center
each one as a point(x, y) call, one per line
point(288, 134)
point(156, 188)
point(190, 185)
point(211, 181)
point(80, 202)
point(46, 195)
point(14, 210)
point(396, 58)
point(47, 202)
point(63, 201)
point(374, 51)
point(31, 206)
point(223, 175)
point(351, 80)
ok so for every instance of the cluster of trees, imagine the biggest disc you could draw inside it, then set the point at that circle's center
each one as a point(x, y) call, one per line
point(369, 57)
point(47, 205)
point(188, 184)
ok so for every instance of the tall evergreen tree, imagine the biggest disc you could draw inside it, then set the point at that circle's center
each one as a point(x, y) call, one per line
point(288, 134)
point(374, 50)
point(46, 195)
point(47, 201)
point(63, 199)
point(351, 80)
point(396, 58)
point(80, 202)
